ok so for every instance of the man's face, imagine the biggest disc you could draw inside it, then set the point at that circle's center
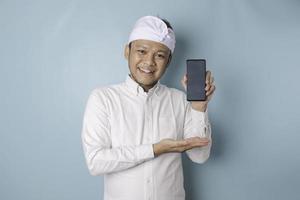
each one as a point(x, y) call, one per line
point(147, 61)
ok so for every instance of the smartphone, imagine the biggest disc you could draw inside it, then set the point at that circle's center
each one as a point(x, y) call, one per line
point(196, 75)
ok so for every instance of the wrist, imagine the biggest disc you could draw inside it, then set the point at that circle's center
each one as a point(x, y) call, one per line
point(157, 149)
point(199, 106)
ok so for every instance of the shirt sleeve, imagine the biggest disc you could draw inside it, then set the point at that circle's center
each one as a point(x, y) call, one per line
point(197, 124)
point(100, 157)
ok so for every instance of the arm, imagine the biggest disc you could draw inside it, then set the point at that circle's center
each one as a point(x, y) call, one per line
point(196, 124)
point(100, 157)
point(196, 121)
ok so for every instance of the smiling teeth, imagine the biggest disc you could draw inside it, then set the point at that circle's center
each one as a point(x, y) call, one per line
point(145, 70)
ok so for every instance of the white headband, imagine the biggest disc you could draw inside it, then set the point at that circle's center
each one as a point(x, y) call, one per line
point(153, 28)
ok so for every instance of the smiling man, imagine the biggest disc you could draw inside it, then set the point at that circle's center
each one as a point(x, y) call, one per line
point(148, 61)
point(134, 132)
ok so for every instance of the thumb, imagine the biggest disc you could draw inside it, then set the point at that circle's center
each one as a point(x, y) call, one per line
point(184, 81)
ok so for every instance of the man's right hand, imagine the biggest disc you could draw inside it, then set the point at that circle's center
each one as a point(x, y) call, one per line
point(171, 145)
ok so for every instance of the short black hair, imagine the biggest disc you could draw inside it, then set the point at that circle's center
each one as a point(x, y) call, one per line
point(167, 23)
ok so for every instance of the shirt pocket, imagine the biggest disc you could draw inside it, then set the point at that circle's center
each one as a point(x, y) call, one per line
point(167, 127)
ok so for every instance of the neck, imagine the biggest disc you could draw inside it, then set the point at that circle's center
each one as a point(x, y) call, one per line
point(145, 87)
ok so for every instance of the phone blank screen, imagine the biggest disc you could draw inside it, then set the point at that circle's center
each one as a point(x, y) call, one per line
point(196, 74)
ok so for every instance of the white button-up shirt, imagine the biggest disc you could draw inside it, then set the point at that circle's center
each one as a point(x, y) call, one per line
point(122, 122)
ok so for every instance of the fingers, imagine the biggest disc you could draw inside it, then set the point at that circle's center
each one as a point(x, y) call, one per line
point(210, 87)
point(211, 80)
point(197, 141)
point(211, 90)
point(189, 143)
point(170, 145)
point(184, 81)
point(208, 77)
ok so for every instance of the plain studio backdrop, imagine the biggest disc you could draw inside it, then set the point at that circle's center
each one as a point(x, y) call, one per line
point(53, 53)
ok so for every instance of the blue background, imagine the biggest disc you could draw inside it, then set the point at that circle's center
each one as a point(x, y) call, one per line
point(53, 53)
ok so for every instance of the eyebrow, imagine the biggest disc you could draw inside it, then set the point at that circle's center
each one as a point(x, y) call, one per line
point(145, 46)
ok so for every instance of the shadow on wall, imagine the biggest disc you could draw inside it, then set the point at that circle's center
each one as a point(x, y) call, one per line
point(193, 172)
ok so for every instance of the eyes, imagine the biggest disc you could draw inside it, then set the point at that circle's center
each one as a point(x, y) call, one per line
point(141, 51)
point(158, 55)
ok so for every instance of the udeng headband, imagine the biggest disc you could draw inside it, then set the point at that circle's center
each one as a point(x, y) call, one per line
point(154, 29)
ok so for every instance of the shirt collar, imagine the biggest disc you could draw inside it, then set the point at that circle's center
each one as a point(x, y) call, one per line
point(137, 89)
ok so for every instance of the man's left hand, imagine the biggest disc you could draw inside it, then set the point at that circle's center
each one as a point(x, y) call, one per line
point(209, 88)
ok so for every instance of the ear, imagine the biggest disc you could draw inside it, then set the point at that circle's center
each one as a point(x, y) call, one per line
point(126, 51)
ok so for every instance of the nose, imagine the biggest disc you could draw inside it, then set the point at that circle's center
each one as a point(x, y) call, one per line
point(149, 59)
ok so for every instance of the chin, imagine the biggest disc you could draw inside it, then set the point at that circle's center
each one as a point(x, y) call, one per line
point(146, 83)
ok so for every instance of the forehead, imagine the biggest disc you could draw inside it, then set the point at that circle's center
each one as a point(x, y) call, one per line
point(150, 45)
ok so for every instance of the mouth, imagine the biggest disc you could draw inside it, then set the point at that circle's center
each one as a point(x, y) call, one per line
point(146, 71)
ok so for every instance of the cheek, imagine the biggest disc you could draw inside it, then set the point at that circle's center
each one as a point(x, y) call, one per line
point(161, 68)
point(135, 60)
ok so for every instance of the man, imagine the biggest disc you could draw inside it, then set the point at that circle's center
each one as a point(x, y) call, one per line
point(134, 132)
